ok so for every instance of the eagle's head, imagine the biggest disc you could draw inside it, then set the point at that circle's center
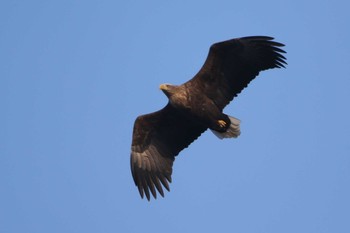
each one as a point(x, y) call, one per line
point(176, 94)
point(168, 89)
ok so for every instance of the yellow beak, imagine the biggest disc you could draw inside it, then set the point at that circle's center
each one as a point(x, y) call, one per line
point(162, 87)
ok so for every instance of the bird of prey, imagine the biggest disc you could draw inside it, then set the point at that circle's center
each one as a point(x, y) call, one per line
point(197, 105)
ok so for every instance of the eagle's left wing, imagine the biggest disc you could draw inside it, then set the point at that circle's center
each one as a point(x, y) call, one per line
point(232, 64)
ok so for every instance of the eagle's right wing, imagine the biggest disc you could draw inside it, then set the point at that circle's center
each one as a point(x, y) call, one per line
point(157, 138)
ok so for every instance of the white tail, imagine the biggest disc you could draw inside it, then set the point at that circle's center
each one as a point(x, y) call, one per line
point(232, 132)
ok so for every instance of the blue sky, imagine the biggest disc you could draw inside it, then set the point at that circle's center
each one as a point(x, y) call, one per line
point(75, 75)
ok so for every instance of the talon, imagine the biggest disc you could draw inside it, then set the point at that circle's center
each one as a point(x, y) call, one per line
point(222, 123)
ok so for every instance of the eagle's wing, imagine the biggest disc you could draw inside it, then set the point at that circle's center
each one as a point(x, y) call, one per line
point(232, 64)
point(157, 138)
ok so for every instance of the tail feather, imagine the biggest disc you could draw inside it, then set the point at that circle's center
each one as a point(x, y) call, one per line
point(232, 132)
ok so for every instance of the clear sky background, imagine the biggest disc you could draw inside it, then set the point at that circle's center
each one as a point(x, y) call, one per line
point(74, 75)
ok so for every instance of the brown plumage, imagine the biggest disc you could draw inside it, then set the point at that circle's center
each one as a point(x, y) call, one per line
point(197, 105)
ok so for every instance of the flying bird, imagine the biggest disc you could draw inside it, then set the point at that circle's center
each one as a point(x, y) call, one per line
point(197, 105)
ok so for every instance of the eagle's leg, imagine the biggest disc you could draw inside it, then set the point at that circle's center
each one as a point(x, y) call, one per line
point(222, 123)
point(226, 127)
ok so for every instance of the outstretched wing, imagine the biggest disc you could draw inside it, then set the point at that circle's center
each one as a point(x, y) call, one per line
point(232, 64)
point(157, 138)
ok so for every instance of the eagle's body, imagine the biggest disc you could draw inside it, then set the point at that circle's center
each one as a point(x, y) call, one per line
point(197, 105)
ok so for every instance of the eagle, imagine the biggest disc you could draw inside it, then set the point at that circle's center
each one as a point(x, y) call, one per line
point(197, 105)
